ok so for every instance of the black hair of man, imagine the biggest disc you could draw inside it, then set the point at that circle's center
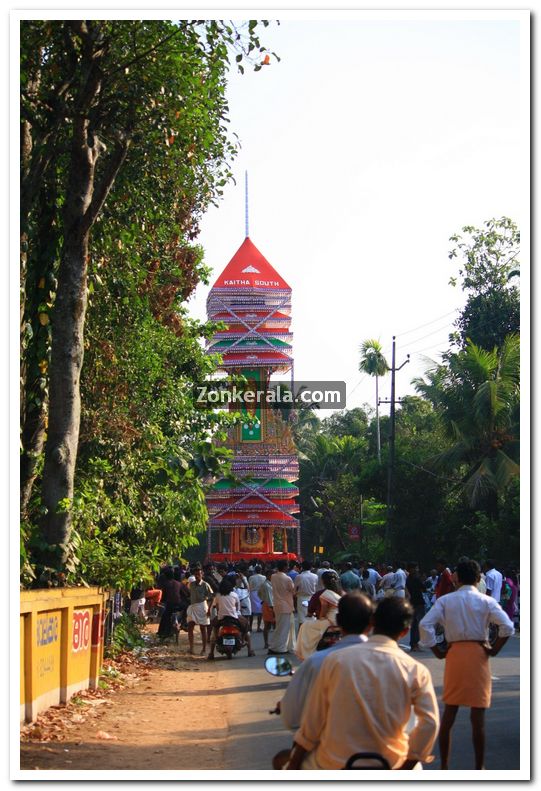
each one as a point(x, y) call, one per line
point(392, 616)
point(257, 569)
point(281, 565)
point(354, 612)
point(349, 566)
point(468, 572)
point(306, 565)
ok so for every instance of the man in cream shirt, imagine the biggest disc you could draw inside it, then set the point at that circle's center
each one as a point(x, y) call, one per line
point(362, 700)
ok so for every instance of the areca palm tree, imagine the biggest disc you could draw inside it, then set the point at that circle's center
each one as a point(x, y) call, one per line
point(374, 364)
point(478, 397)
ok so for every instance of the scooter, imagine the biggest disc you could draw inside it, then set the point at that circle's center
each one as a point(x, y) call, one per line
point(329, 637)
point(280, 666)
point(229, 640)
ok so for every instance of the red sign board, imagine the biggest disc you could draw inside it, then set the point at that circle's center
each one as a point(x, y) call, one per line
point(354, 532)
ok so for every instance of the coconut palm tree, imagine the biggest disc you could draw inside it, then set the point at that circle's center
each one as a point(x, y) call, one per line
point(478, 396)
point(374, 364)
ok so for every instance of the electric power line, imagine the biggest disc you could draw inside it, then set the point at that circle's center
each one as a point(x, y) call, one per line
point(420, 327)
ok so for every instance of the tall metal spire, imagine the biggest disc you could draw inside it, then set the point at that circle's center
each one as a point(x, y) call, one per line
point(246, 202)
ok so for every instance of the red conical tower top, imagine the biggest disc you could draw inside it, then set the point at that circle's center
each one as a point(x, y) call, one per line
point(250, 269)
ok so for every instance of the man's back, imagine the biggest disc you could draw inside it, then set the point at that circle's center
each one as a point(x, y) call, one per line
point(373, 576)
point(297, 692)
point(361, 702)
point(305, 583)
point(493, 581)
point(282, 592)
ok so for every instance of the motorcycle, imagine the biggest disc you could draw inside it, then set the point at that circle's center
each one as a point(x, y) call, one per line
point(280, 666)
point(329, 637)
point(229, 640)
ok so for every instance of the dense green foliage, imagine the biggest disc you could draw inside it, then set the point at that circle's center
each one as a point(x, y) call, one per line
point(488, 274)
point(158, 130)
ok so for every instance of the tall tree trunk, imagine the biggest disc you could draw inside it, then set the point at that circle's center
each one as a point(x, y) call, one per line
point(377, 422)
point(34, 354)
point(64, 392)
point(84, 201)
point(68, 321)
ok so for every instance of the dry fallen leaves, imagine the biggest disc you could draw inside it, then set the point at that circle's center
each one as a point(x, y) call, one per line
point(126, 670)
point(104, 735)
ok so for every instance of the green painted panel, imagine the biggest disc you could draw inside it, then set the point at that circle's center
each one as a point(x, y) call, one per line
point(250, 430)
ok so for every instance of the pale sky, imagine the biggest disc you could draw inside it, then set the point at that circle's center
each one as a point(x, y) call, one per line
point(367, 147)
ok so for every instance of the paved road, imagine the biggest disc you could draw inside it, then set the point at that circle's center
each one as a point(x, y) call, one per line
point(255, 735)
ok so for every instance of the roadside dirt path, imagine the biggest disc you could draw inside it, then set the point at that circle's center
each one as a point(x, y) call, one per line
point(168, 715)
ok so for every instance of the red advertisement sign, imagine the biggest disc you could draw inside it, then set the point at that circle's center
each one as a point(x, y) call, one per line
point(81, 631)
point(354, 532)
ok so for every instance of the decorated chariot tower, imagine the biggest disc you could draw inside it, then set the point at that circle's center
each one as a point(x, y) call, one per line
point(254, 516)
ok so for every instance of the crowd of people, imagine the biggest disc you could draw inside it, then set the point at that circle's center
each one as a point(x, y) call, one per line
point(344, 621)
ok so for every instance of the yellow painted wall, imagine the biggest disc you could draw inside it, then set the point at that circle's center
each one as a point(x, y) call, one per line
point(47, 656)
point(61, 646)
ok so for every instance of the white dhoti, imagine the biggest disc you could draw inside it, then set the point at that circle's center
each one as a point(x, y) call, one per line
point(197, 613)
point(137, 606)
point(310, 633)
point(257, 605)
point(282, 639)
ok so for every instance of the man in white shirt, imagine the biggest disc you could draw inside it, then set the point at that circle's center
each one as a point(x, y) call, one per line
point(493, 580)
point(399, 582)
point(373, 575)
point(305, 585)
point(386, 583)
point(282, 639)
point(362, 700)
point(255, 581)
point(465, 616)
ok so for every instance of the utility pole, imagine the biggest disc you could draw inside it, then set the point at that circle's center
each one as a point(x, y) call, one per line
point(390, 470)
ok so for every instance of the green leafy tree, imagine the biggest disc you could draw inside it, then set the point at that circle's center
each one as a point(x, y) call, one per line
point(489, 261)
point(477, 396)
point(329, 487)
point(347, 422)
point(99, 97)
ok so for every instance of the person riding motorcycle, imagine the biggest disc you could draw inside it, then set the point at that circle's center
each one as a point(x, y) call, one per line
point(311, 631)
point(227, 605)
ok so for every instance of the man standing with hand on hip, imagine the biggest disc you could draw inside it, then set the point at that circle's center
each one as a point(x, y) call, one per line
point(465, 616)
